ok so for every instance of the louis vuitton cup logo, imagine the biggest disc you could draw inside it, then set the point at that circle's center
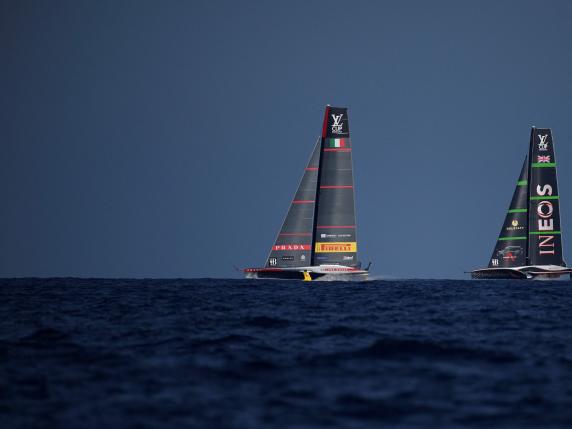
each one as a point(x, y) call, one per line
point(337, 126)
point(542, 144)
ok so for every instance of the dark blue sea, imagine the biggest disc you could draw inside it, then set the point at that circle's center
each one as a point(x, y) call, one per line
point(207, 353)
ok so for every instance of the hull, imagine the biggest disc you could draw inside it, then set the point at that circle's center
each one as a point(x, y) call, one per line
point(320, 272)
point(528, 272)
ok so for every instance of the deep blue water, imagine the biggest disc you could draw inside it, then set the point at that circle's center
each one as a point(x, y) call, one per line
point(256, 354)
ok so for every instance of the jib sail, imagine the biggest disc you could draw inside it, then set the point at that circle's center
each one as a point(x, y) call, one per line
point(293, 246)
point(335, 240)
point(544, 244)
point(511, 247)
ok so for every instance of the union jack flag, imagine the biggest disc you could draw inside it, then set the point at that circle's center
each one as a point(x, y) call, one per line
point(542, 158)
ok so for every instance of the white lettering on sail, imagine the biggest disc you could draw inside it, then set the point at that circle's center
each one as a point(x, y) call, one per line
point(545, 241)
point(544, 209)
point(546, 189)
point(543, 144)
point(278, 247)
point(337, 126)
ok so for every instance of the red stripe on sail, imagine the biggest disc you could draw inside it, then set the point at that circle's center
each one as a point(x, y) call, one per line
point(335, 226)
point(312, 169)
point(343, 149)
point(336, 187)
point(302, 201)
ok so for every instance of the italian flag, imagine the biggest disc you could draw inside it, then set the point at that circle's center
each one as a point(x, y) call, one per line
point(338, 143)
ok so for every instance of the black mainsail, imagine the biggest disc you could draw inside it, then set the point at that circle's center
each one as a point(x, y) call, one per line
point(334, 240)
point(530, 243)
point(293, 245)
point(511, 247)
point(545, 243)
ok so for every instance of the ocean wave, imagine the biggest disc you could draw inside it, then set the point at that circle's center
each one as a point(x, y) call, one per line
point(266, 322)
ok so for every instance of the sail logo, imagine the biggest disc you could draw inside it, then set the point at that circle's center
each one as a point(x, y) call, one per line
point(338, 125)
point(514, 226)
point(544, 210)
point(291, 247)
point(272, 262)
point(335, 235)
point(542, 144)
point(495, 262)
point(542, 158)
point(332, 247)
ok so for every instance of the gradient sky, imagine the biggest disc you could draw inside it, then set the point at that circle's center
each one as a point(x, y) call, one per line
point(166, 139)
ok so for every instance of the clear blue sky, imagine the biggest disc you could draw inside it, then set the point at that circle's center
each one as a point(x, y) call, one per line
point(166, 139)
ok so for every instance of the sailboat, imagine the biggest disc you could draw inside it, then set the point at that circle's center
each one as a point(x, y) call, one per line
point(530, 242)
point(318, 236)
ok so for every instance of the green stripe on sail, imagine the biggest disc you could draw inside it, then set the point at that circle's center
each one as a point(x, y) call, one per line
point(518, 210)
point(544, 232)
point(543, 164)
point(511, 238)
point(545, 197)
point(522, 182)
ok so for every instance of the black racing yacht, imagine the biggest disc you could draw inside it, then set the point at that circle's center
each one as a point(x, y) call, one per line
point(530, 242)
point(318, 237)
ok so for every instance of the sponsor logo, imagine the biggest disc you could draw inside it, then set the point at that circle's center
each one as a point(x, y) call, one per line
point(287, 258)
point(514, 226)
point(302, 257)
point(510, 252)
point(291, 247)
point(335, 235)
point(542, 158)
point(544, 210)
point(348, 258)
point(495, 262)
point(334, 247)
point(272, 262)
point(542, 144)
point(338, 124)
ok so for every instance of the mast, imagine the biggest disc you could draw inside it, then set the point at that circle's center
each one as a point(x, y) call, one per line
point(511, 247)
point(293, 245)
point(334, 238)
point(545, 242)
